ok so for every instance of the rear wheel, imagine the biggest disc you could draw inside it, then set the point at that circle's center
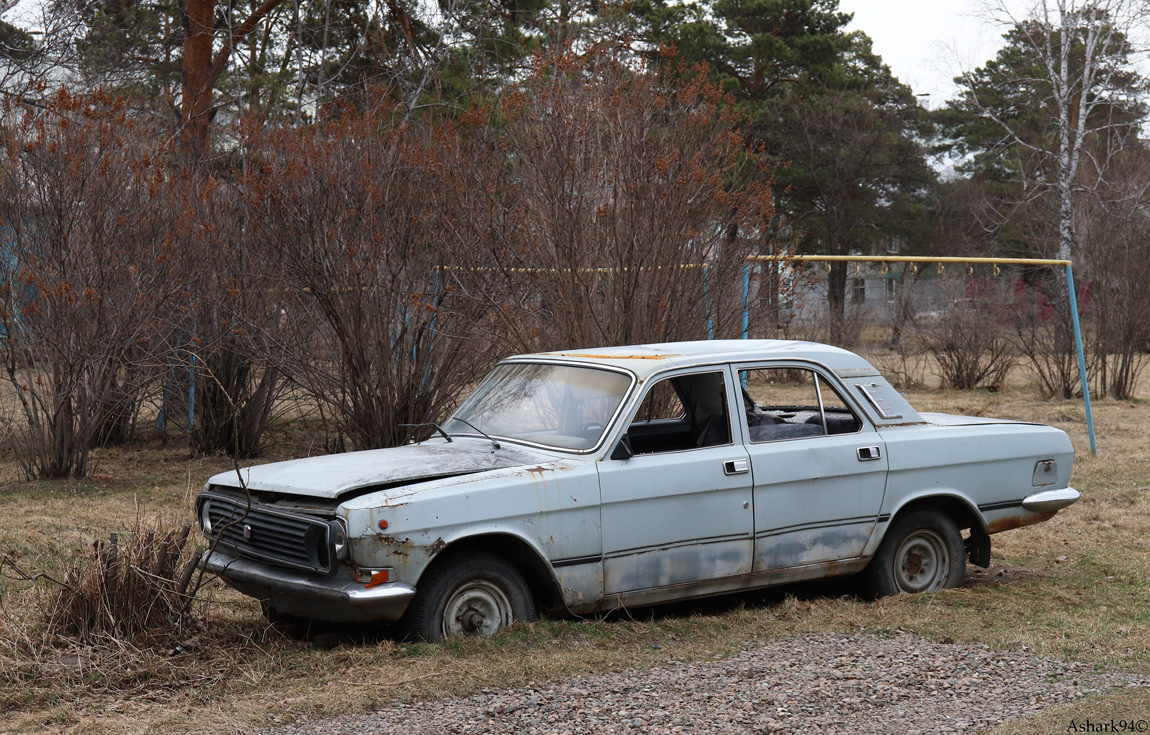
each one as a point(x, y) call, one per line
point(477, 594)
point(922, 552)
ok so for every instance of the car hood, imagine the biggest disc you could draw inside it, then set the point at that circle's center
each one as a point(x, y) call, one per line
point(333, 475)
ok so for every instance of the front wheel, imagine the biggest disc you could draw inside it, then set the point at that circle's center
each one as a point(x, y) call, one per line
point(476, 594)
point(922, 552)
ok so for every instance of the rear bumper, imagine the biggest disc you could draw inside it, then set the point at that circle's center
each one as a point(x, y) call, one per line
point(1049, 501)
point(308, 595)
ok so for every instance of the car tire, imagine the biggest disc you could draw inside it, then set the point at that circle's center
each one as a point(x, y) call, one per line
point(473, 594)
point(921, 552)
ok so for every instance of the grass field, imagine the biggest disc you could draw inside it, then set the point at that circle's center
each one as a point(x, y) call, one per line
point(1077, 587)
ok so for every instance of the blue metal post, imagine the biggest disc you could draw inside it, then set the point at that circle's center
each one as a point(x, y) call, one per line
point(192, 394)
point(746, 299)
point(1081, 357)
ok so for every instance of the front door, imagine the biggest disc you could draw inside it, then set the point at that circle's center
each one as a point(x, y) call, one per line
point(819, 467)
point(679, 510)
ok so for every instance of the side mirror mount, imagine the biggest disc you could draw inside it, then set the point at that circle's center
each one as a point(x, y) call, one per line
point(623, 449)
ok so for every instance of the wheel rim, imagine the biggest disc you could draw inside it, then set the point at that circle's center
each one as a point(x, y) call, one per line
point(477, 608)
point(922, 562)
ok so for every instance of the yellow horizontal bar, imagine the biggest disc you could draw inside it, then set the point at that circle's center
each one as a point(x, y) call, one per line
point(907, 259)
point(787, 258)
point(624, 269)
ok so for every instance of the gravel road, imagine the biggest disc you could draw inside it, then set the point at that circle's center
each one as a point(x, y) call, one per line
point(819, 683)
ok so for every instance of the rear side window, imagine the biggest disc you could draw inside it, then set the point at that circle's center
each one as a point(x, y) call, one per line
point(793, 403)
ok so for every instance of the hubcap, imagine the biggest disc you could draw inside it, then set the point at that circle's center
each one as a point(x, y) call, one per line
point(922, 562)
point(477, 608)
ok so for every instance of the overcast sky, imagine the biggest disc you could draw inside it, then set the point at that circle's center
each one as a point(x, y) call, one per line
point(927, 43)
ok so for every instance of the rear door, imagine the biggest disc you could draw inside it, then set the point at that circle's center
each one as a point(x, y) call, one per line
point(819, 466)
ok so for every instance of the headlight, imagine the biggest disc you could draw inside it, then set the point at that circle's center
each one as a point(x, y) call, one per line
point(205, 518)
point(339, 539)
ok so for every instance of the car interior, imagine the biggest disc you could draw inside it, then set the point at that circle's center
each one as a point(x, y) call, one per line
point(683, 412)
point(792, 403)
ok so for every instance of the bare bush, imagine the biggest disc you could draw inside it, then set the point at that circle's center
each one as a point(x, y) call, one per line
point(132, 588)
point(88, 277)
point(969, 342)
point(1044, 335)
point(905, 366)
point(226, 322)
point(624, 211)
point(1116, 253)
point(349, 221)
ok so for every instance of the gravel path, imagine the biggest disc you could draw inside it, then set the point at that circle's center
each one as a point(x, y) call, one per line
point(818, 683)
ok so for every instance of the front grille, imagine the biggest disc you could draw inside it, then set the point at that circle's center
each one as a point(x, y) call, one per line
point(290, 539)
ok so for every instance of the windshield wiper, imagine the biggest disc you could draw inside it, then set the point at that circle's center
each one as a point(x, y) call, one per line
point(481, 431)
point(437, 428)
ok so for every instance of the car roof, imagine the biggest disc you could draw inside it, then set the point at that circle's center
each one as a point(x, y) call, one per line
point(648, 359)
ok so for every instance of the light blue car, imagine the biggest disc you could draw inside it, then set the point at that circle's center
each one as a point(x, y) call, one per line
point(588, 480)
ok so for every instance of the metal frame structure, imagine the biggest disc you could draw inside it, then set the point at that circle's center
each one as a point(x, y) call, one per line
point(941, 261)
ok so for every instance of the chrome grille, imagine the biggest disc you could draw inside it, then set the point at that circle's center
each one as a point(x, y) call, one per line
point(260, 532)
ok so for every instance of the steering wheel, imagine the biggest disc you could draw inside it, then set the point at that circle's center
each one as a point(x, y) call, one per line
point(593, 428)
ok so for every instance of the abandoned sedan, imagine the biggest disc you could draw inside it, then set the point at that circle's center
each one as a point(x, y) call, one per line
point(588, 480)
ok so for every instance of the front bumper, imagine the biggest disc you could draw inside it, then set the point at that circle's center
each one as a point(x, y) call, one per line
point(309, 595)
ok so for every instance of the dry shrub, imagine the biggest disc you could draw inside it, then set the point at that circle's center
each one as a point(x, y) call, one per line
point(349, 224)
point(621, 210)
point(969, 342)
point(114, 621)
point(905, 366)
point(225, 327)
point(87, 274)
point(816, 324)
point(126, 618)
point(1116, 277)
point(135, 588)
point(1043, 333)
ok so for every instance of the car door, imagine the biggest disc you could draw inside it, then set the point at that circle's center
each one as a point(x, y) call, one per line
point(819, 467)
point(679, 510)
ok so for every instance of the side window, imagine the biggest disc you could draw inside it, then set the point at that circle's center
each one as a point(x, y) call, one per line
point(661, 403)
point(792, 403)
point(840, 419)
point(683, 412)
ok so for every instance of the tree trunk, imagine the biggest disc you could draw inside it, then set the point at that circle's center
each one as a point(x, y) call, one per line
point(195, 136)
point(836, 300)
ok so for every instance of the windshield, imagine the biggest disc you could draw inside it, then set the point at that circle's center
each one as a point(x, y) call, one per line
point(555, 405)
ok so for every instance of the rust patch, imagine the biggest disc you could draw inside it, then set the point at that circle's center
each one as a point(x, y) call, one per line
point(396, 547)
point(1018, 521)
point(613, 357)
point(393, 541)
point(837, 568)
point(435, 548)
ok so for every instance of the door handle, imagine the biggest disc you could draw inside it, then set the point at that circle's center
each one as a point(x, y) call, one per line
point(868, 453)
point(736, 467)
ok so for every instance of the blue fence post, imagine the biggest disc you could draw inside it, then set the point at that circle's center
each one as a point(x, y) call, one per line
point(1082, 377)
point(192, 393)
point(746, 299)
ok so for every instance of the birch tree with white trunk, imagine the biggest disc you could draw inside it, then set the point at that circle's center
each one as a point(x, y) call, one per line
point(1085, 60)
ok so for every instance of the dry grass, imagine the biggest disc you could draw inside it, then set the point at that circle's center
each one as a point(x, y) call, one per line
point(1076, 587)
point(1131, 706)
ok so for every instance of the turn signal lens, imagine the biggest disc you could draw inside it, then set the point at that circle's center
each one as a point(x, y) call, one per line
point(383, 525)
point(372, 577)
